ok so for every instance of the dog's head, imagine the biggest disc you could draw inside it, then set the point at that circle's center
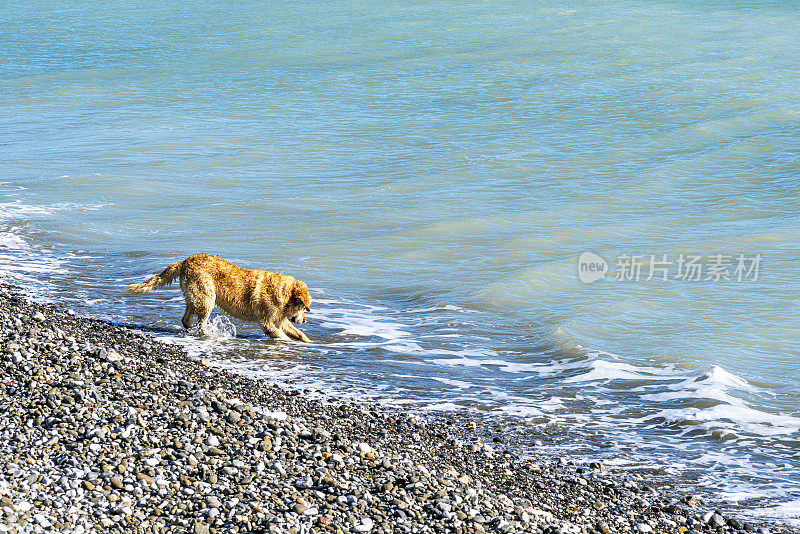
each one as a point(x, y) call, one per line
point(299, 302)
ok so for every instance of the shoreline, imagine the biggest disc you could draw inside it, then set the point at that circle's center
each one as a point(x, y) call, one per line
point(110, 430)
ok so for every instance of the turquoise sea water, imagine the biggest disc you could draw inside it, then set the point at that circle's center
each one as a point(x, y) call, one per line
point(434, 171)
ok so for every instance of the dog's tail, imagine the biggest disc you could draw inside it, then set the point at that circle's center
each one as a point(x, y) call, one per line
point(160, 280)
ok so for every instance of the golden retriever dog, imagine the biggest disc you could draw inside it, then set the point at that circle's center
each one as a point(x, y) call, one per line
point(270, 299)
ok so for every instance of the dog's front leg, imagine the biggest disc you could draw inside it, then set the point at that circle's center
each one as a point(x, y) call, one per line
point(293, 332)
point(274, 332)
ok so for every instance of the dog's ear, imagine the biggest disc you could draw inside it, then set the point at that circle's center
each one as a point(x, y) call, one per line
point(299, 293)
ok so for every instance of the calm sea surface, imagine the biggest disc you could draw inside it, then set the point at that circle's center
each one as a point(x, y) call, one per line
point(434, 171)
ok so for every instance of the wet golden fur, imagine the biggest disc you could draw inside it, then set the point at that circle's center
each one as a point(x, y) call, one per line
point(272, 300)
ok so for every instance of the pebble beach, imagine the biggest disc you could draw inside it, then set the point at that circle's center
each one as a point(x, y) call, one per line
point(107, 430)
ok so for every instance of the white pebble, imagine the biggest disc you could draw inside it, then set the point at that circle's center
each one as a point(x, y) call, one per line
point(365, 525)
point(278, 416)
point(43, 521)
point(24, 506)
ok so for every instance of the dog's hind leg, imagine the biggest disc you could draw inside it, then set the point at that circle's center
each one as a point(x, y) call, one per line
point(187, 316)
point(200, 299)
point(203, 313)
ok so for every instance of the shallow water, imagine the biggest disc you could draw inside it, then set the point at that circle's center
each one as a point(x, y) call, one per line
point(434, 173)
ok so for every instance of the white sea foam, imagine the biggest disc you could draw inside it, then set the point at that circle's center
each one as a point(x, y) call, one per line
point(22, 262)
point(443, 407)
point(460, 384)
point(405, 347)
point(788, 511)
point(523, 411)
point(733, 413)
point(718, 376)
point(444, 307)
point(218, 328)
point(361, 320)
point(17, 209)
point(735, 417)
point(695, 387)
point(678, 394)
point(466, 362)
point(739, 493)
point(601, 370)
point(366, 327)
